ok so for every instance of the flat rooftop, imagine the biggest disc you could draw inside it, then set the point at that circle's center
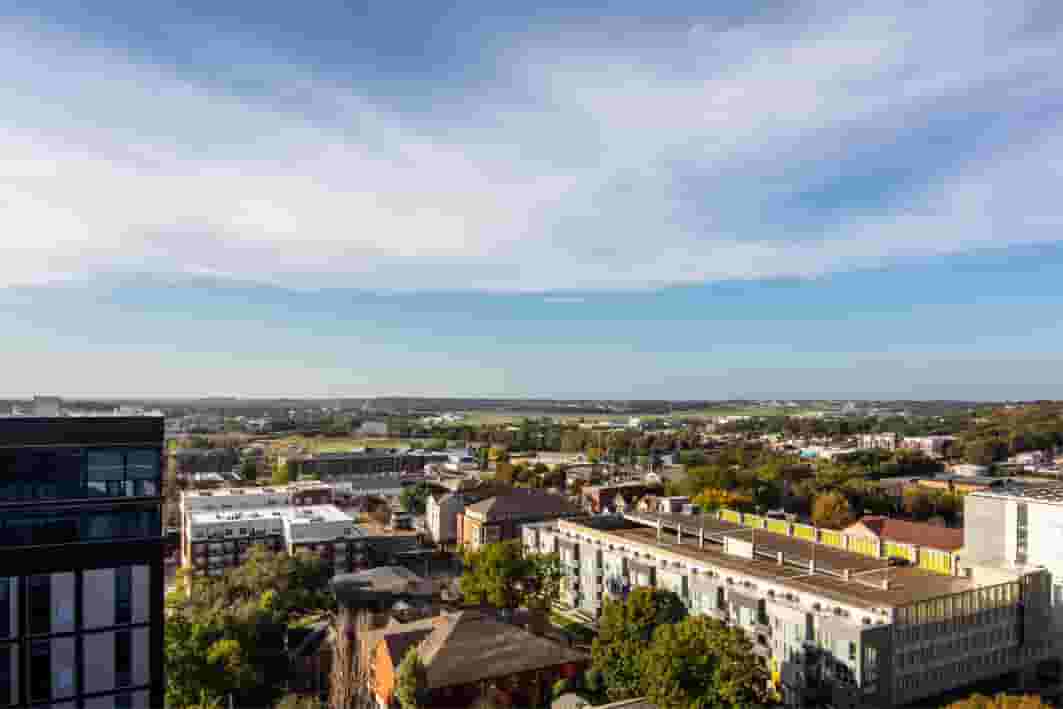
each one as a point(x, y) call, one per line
point(1048, 492)
point(290, 514)
point(908, 584)
point(252, 491)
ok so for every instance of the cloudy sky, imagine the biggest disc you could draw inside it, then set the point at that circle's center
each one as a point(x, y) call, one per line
point(791, 199)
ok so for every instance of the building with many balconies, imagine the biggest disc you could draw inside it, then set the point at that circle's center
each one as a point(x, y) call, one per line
point(219, 540)
point(838, 626)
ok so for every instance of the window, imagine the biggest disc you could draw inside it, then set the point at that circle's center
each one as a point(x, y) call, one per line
point(852, 651)
point(123, 595)
point(5, 607)
point(5, 676)
point(40, 671)
point(40, 604)
point(1020, 533)
point(142, 471)
point(105, 473)
point(123, 701)
point(123, 658)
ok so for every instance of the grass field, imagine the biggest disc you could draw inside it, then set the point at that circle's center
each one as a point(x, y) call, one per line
point(479, 418)
point(337, 445)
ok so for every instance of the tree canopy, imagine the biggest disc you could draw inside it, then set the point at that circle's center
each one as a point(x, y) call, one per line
point(832, 510)
point(700, 663)
point(505, 576)
point(411, 681)
point(625, 630)
point(226, 636)
point(414, 498)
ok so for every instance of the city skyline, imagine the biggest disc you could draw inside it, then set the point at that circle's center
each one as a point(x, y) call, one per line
point(769, 202)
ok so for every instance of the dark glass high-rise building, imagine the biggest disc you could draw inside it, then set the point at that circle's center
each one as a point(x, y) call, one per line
point(81, 562)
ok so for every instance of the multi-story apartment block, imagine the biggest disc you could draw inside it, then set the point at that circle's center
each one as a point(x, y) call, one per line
point(878, 441)
point(220, 527)
point(221, 540)
point(81, 562)
point(836, 628)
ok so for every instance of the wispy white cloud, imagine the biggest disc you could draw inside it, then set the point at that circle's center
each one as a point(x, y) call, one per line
point(680, 156)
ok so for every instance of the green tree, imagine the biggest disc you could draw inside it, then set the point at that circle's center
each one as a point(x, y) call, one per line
point(699, 663)
point(625, 630)
point(280, 474)
point(297, 701)
point(505, 576)
point(414, 498)
point(831, 510)
point(226, 635)
point(411, 681)
point(249, 469)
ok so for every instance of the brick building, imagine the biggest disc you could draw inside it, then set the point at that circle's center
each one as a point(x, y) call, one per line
point(501, 517)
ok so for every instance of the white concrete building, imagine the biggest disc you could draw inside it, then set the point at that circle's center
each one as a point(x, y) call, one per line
point(219, 540)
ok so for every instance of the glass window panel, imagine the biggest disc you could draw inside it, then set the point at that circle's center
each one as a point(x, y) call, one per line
point(123, 595)
point(147, 488)
point(5, 609)
point(41, 671)
point(6, 680)
point(102, 525)
point(40, 602)
point(105, 465)
point(123, 659)
point(142, 464)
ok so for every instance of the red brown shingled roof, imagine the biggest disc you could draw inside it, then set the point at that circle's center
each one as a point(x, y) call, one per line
point(927, 535)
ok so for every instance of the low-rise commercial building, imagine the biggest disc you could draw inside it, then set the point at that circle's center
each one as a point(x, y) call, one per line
point(836, 628)
point(337, 466)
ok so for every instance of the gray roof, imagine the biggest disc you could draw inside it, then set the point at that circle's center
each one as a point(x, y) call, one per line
point(382, 580)
point(470, 646)
point(524, 502)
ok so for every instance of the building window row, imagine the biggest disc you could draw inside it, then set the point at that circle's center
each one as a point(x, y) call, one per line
point(76, 473)
point(68, 527)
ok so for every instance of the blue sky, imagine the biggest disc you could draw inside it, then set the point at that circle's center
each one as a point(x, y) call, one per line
point(791, 199)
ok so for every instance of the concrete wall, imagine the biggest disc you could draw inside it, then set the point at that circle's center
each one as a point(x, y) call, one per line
point(984, 529)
